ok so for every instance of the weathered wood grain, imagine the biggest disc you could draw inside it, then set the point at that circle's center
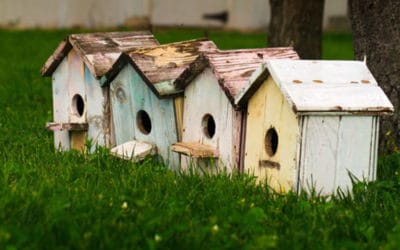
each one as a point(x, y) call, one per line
point(78, 140)
point(178, 107)
point(134, 150)
point(76, 83)
point(164, 65)
point(99, 51)
point(57, 126)
point(123, 118)
point(61, 104)
point(234, 68)
point(95, 110)
point(205, 97)
point(195, 149)
point(268, 109)
point(329, 86)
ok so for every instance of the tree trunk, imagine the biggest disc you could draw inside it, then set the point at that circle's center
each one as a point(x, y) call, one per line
point(297, 23)
point(376, 35)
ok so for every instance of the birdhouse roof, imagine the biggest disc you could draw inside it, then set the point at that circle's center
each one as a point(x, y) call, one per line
point(162, 66)
point(325, 86)
point(234, 68)
point(99, 51)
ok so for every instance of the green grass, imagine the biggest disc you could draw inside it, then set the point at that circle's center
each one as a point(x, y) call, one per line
point(52, 200)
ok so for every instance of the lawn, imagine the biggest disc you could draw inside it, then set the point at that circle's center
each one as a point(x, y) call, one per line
point(52, 200)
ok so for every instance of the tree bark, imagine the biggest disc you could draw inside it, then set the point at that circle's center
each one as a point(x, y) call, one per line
point(297, 23)
point(376, 35)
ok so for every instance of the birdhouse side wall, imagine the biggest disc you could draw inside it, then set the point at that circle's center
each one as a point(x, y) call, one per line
point(132, 101)
point(96, 111)
point(272, 138)
point(60, 89)
point(204, 98)
point(334, 147)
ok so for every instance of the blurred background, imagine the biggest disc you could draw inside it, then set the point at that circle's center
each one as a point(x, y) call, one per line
point(230, 14)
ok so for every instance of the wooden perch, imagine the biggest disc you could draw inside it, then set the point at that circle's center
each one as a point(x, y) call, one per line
point(134, 150)
point(58, 126)
point(195, 149)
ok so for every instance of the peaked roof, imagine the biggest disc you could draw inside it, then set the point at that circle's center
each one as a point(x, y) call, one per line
point(234, 68)
point(99, 51)
point(325, 86)
point(163, 66)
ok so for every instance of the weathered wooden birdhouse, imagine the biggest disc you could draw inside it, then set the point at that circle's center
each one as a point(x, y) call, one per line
point(212, 123)
point(80, 104)
point(146, 106)
point(312, 123)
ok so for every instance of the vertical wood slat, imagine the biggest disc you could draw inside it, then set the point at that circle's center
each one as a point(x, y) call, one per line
point(76, 87)
point(178, 105)
point(61, 104)
point(121, 108)
point(334, 148)
point(319, 155)
point(95, 110)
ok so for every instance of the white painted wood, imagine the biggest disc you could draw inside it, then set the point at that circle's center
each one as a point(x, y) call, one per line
point(76, 83)
point(204, 96)
point(319, 153)
point(121, 108)
point(329, 72)
point(337, 98)
point(374, 150)
point(333, 147)
point(133, 150)
point(336, 86)
point(355, 149)
point(61, 104)
point(95, 110)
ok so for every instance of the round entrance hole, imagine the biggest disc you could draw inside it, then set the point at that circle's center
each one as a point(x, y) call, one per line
point(78, 105)
point(271, 142)
point(208, 125)
point(143, 122)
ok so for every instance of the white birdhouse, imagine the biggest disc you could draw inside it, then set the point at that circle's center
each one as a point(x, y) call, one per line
point(312, 123)
point(80, 104)
point(146, 107)
point(212, 124)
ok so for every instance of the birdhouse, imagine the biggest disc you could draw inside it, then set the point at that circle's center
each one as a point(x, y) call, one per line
point(312, 123)
point(80, 104)
point(146, 107)
point(213, 126)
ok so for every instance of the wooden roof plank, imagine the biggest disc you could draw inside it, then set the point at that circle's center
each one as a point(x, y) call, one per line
point(234, 68)
point(99, 51)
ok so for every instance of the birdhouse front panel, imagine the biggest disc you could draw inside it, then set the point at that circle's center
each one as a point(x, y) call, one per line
point(209, 119)
point(138, 114)
point(272, 138)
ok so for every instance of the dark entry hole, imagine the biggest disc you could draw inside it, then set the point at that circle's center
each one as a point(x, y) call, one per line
point(271, 142)
point(208, 125)
point(143, 122)
point(78, 105)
